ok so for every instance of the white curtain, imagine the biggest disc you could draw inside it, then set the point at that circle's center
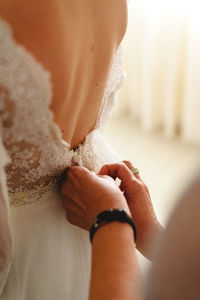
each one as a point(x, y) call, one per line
point(162, 62)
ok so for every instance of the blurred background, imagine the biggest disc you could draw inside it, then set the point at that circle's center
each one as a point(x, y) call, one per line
point(156, 123)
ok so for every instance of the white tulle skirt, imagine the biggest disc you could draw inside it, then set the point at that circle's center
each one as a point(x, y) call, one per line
point(52, 257)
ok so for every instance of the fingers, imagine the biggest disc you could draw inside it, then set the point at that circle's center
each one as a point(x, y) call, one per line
point(78, 172)
point(74, 177)
point(131, 166)
point(119, 170)
point(122, 170)
point(114, 170)
point(137, 175)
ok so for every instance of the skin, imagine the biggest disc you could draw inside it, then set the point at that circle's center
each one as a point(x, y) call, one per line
point(87, 194)
point(139, 201)
point(115, 274)
point(175, 273)
point(115, 269)
point(114, 259)
point(76, 41)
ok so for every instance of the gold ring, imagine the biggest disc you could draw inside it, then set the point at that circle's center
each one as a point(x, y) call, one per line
point(134, 171)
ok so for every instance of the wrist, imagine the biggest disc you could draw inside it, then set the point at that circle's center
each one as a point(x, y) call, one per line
point(115, 231)
point(106, 204)
point(109, 216)
point(146, 236)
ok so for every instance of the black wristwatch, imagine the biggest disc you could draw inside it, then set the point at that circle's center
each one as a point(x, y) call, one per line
point(109, 216)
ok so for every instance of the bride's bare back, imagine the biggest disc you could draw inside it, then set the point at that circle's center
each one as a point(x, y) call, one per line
point(76, 41)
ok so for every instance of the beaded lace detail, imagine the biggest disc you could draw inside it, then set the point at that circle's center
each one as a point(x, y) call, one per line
point(32, 140)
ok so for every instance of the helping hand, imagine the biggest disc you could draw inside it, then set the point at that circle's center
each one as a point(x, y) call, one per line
point(87, 194)
point(139, 202)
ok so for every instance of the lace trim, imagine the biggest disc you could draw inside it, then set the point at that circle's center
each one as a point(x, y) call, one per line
point(37, 152)
point(114, 82)
point(34, 195)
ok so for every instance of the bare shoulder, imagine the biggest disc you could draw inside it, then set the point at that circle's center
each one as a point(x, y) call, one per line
point(20, 13)
point(39, 18)
point(116, 12)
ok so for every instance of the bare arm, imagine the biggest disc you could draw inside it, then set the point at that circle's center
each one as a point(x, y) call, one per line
point(115, 273)
point(139, 201)
point(115, 269)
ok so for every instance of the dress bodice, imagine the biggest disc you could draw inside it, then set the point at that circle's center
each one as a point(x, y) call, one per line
point(32, 140)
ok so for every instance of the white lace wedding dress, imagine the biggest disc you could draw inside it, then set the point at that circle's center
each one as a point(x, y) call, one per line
point(50, 258)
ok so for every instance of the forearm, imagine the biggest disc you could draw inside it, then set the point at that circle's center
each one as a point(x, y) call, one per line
point(147, 237)
point(115, 270)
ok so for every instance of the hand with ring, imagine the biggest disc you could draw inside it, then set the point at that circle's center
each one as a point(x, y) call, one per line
point(139, 201)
